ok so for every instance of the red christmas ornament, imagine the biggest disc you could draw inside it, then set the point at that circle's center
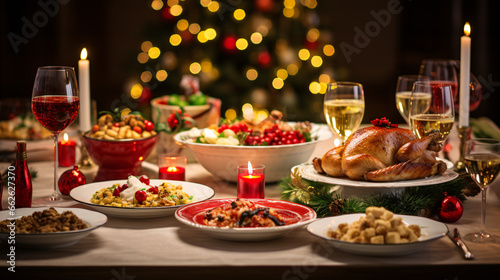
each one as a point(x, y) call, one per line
point(451, 209)
point(70, 179)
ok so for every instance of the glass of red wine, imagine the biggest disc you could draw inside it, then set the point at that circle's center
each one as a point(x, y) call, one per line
point(55, 106)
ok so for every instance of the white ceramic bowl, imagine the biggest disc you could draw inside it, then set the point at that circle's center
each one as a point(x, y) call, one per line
point(221, 160)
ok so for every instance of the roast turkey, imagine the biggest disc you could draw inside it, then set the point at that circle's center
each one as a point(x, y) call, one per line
point(383, 154)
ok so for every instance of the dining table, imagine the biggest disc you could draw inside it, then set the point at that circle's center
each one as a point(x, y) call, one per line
point(165, 248)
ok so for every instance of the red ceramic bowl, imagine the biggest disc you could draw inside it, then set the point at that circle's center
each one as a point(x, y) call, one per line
point(117, 159)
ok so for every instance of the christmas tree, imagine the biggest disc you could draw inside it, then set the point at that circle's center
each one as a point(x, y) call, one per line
point(271, 55)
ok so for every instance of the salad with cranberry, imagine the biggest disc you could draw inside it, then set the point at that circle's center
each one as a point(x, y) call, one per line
point(138, 192)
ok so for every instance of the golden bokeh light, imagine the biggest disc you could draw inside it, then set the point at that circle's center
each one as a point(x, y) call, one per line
point(195, 68)
point(136, 91)
point(154, 52)
point(314, 87)
point(239, 14)
point(278, 83)
point(252, 74)
point(289, 13)
point(213, 6)
point(175, 39)
point(282, 74)
point(241, 44)
point(304, 54)
point(170, 3)
point(205, 3)
point(256, 38)
point(161, 75)
point(146, 45)
point(292, 69)
point(201, 37)
point(146, 76)
point(316, 61)
point(182, 25)
point(322, 88)
point(324, 78)
point(210, 33)
point(157, 5)
point(143, 57)
point(230, 114)
point(176, 10)
point(312, 35)
point(290, 4)
point(206, 65)
point(194, 28)
point(328, 50)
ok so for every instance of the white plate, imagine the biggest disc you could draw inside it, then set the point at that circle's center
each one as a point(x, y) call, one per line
point(53, 239)
point(84, 193)
point(431, 230)
point(295, 216)
point(307, 171)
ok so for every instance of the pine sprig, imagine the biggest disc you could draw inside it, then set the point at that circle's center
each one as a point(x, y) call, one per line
point(421, 200)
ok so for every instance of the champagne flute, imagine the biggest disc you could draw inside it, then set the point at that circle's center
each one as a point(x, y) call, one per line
point(436, 116)
point(344, 107)
point(55, 105)
point(404, 88)
point(482, 162)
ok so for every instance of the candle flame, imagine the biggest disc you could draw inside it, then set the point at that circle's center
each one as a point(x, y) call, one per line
point(65, 137)
point(83, 54)
point(250, 170)
point(467, 29)
point(172, 169)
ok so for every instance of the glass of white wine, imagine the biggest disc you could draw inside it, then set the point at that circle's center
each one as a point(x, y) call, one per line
point(437, 116)
point(482, 162)
point(404, 88)
point(344, 107)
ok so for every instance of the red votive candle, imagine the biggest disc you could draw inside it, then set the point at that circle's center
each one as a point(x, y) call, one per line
point(172, 167)
point(66, 154)
point(251, 181)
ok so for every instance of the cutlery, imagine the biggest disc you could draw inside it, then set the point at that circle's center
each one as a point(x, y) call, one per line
point(466, 253)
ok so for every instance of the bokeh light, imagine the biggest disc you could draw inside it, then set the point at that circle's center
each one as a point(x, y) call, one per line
point(195, 68)
point(252, 74)
point(239, 14)
point(241, 44)
point(316, 61)
point(256, 38)
point(230, 114)
point(328, 50)
point(136, 91)
point(304, 54)
point(278, 83)
point(175, 39)
point(154, 52)
point(161, 75)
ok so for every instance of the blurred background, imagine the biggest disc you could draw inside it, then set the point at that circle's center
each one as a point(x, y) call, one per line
point(271, 54)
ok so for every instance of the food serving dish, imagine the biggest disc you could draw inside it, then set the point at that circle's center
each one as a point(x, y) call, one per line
point(307, 172)
point(53, 239)
point(222, 160)
point(118, 158)
point(295, 216)
point(431, 230)
point(83, 194)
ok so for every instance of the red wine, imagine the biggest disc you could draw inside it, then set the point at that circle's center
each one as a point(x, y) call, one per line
point(54, 112)
point(437, 104)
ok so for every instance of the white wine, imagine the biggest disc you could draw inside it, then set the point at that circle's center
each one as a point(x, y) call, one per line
point(344, 115)
point(421, 100)
point(483, 168)
point(424, 124)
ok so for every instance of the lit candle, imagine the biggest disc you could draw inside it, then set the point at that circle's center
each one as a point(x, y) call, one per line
point(465, 45)
point(66, 151)
point(172, 167)
point(251, 181)
point(84, 80)
point(173, 173)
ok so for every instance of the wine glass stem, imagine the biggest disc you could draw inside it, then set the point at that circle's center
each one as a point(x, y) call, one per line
point(55, 194)
point(483, 210)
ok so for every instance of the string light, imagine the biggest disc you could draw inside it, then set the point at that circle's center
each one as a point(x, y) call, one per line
point(304, 54)
point(195, 68)
point(143, 57)
point(282, 74)
point(157, 5)
point(256, 38)
point(230, 114)
point(328, 50)
point(213, 6)
point(175, 39)
point(210, 33)
point(161, 75)
point(316, 61)
point(176, 10)
point(146, 76)
point(182, 25)
point(278, 83)
point(136, 91)
point(194, 28)
point(241, 44)
point(239, 14)
point(314, 87)
point(146, 45)
point(154, 52)
point(252, 74)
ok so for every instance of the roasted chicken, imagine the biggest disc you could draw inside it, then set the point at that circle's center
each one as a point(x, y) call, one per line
point(383, 154)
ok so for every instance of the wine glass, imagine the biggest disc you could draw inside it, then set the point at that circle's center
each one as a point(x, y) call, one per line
point(344, 107)
point(55, 105)
point(438, 115)
point(476, 90)
point(441, 71)
point(404, 88)
point(482, 162)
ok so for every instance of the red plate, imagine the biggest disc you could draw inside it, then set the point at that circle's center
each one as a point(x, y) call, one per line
point(295, 215)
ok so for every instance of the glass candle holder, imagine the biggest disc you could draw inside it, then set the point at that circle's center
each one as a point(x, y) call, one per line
point(172, 167)
point(251, 181)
